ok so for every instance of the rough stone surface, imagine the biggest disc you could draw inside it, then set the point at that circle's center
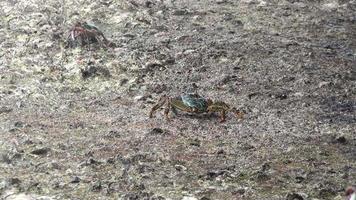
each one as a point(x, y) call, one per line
point(83, 112)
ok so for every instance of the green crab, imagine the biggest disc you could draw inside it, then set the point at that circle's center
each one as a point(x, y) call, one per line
point(194, 103)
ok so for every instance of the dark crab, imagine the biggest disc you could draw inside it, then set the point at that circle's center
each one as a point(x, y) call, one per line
point(83, 33)
point(194, 103)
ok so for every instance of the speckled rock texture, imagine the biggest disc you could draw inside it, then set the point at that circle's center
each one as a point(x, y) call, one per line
point(74, 121)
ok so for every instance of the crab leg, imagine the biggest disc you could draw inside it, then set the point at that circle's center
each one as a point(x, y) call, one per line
point(159, 104)
point(166, 110)
point(223, 116)
point(239, 114)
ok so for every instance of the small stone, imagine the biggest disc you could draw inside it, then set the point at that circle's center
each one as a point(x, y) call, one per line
point(75, 179)
point(340, 139)
point(221, 152)
point(180, 167)
point(41, 151)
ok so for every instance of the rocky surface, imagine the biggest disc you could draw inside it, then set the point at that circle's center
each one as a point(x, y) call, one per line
point(74, 121)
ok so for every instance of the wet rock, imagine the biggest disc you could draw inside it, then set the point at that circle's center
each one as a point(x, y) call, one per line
point(41, 151)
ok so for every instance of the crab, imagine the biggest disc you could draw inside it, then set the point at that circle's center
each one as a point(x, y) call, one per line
point(351, 193)
point(84, 33)
point(194, 103)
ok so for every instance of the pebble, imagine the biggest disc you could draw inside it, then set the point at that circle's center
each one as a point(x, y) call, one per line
point(41, 151)
point(340, 139)
point(75, 179)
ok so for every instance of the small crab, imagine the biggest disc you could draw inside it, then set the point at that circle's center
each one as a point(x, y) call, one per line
point(194, 103)
point(84, 33)
point(351, 193)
